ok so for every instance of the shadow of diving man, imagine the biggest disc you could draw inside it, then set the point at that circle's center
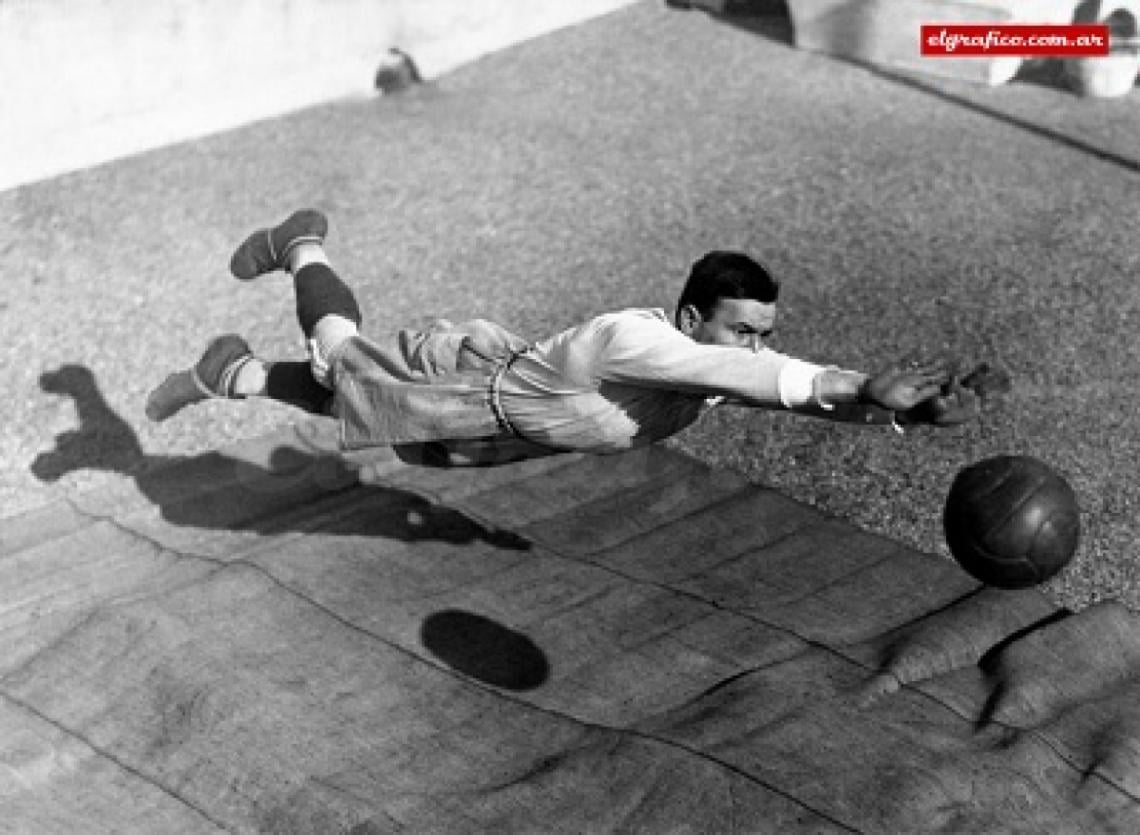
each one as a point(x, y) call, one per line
point(247, 496)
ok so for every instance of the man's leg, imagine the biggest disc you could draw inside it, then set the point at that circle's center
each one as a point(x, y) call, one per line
point(296, 246)
point(326, 310)
point(228, 369)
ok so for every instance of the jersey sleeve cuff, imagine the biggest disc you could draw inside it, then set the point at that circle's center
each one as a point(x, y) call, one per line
point(796, 384)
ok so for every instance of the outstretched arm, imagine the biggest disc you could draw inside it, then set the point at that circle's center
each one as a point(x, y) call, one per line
point(649, 352)
point(889, 396)
point(895, 389)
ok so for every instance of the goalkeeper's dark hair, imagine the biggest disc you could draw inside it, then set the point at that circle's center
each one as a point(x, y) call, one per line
point(726, 275)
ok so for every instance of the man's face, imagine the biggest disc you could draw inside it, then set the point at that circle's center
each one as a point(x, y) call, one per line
point(739, 323)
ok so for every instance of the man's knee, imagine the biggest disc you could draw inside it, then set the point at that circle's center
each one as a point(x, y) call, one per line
point(329, 333)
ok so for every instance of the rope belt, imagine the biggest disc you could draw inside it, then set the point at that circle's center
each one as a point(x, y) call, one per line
point(496, 393)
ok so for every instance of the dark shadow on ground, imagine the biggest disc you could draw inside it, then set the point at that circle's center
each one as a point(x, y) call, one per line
point(484, 650)
point(248, 497)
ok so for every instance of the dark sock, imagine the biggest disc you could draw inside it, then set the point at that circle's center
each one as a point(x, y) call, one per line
point(293, 383)
point(320, 292)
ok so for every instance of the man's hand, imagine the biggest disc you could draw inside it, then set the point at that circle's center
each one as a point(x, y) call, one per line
point(901, 389)
point(960, 398)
